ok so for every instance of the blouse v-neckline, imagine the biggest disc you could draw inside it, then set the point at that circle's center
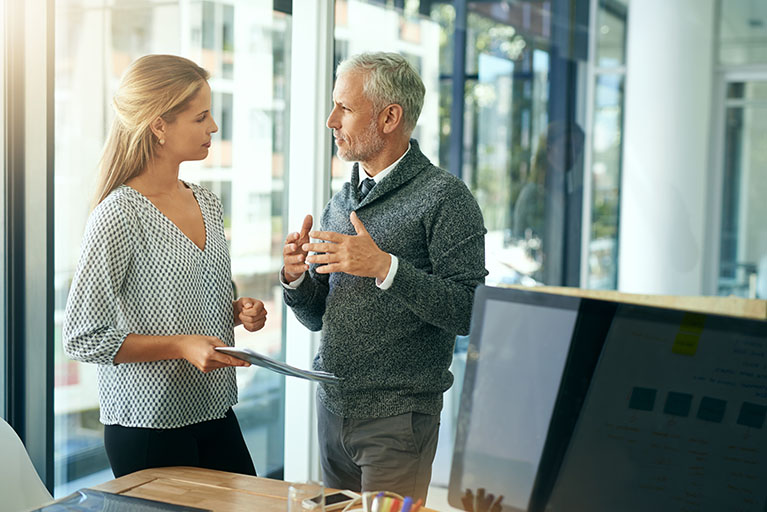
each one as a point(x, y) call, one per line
point(175, 226)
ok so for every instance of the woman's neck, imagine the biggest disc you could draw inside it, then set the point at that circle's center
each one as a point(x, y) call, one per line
point(158, 177)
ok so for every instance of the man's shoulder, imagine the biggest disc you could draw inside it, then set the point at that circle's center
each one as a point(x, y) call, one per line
point(433, 174)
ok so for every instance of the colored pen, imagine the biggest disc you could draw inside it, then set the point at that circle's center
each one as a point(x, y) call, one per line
point(406, 504)
point(417, 505)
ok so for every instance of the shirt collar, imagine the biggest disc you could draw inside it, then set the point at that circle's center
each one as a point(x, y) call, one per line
point(381, 175)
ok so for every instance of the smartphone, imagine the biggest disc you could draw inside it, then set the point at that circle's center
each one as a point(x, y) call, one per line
point(337, 500)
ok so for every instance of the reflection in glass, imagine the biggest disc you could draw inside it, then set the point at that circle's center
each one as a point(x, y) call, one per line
point(611, 34)
point(742, 32)
point(607, 147)
point(743, 250)
point(246, 168)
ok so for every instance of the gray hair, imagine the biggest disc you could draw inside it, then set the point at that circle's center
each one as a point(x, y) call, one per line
point(389, 78)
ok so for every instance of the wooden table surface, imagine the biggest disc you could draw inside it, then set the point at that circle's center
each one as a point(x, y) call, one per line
point(204, 488)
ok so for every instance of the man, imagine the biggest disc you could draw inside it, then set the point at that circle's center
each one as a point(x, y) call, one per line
point(390, 285)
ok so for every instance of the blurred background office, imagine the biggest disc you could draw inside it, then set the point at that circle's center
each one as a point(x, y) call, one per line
point(654, 184)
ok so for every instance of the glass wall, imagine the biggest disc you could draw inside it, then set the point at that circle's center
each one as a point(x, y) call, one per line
point(518, 150)
point(742, 32)
point(743, 71)
point(605, 152)
point(3, 345)
point(743, 257)
point(246, 48)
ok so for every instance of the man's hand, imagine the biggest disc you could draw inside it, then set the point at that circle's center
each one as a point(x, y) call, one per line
point(357, 255)
point(293, 255)
point(250, 313)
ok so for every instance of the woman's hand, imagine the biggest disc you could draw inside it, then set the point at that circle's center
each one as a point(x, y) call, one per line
point(250, 313)
point(201, 352)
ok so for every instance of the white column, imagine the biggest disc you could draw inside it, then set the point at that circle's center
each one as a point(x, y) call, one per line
point(669, 81)
point(309, 189)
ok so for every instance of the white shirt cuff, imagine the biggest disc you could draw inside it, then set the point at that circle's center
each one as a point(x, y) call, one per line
point(290, 286)
point(393, 266)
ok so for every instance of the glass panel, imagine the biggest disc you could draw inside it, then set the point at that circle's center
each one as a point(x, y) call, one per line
point(742, 32)
point(2, 214)
point(611, 33)
point(246, 168)
point(743, 253)
point(607, 147)
point(505, 105)
point(747, 91)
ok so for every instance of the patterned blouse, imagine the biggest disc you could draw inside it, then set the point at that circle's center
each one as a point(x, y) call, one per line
point(139, 273)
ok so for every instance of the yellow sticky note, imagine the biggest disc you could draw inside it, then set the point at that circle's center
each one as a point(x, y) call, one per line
point(686, 343)
point(692, 322)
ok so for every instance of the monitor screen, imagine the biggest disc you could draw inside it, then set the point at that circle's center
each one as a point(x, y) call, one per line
point(515, 360)
point(579, 404)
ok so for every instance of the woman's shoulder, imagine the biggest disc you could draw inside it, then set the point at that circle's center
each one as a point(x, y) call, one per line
point(119, 206)
point(203, 194)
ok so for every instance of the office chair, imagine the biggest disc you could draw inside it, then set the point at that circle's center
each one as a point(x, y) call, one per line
point(20, 486)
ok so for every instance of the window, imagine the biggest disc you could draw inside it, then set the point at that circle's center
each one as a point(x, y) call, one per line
point(245, 47)
point(743, 253)
point(3, 345)
point(606, 151)
point(488, 118)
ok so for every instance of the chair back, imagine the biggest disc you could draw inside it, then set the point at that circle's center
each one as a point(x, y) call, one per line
point(20, 485)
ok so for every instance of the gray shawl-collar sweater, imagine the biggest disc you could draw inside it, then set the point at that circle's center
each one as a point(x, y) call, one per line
point(393, 347)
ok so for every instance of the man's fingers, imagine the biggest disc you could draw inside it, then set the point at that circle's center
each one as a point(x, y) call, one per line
point(321, 258)
point(359, 227)
point(294, 259)
point(320, 247)
point(329, 236)
point(307, 225)
point(329, 268)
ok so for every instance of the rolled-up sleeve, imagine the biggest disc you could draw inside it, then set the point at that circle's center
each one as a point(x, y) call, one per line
point(91, 333)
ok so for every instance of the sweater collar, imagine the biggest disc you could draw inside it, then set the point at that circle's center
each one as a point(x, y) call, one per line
point(408, 168)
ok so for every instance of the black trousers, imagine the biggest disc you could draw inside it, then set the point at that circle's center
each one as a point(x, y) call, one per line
point(214, 444)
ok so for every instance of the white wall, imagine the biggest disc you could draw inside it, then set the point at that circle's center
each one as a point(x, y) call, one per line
point(670, 56)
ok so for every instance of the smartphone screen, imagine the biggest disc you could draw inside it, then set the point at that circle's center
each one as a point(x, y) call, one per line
point(335, 498)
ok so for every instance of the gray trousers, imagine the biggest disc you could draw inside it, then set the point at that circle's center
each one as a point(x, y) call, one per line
point(378, 454)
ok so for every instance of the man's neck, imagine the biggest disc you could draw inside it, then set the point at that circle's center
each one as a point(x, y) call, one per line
point(390, 153)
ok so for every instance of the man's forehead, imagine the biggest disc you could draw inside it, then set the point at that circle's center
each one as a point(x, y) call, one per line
point(349, 84)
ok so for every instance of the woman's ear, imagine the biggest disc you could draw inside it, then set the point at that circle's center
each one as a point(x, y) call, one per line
point(158, 129)
point(392, 117)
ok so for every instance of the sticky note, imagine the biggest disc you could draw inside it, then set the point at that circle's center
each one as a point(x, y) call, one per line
point(686, 343)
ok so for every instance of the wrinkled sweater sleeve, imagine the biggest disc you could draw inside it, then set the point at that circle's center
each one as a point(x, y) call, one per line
point(90, 332)
point(456, 245)
point(308, 300)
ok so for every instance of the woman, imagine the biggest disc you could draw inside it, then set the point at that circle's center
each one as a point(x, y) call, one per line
point(152, 295)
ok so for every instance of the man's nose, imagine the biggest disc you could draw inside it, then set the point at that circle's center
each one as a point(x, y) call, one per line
point(332, 121)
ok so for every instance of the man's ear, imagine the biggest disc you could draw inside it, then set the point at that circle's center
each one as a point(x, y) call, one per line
point(392, 117)
point(158, 127)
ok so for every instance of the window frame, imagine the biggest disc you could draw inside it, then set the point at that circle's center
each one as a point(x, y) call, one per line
point(28, 228)
point(312, 50)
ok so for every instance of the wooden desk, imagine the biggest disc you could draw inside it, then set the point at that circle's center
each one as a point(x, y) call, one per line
point(204, 488)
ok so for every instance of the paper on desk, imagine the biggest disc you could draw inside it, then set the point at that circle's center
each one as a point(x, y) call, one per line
point(263, 361)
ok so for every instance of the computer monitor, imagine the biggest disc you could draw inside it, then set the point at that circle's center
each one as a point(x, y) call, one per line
point(580, 404)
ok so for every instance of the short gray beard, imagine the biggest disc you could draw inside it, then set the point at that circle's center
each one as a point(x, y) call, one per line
point(366, 146)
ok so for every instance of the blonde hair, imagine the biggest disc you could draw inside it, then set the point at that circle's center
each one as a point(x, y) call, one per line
point(153, 86)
